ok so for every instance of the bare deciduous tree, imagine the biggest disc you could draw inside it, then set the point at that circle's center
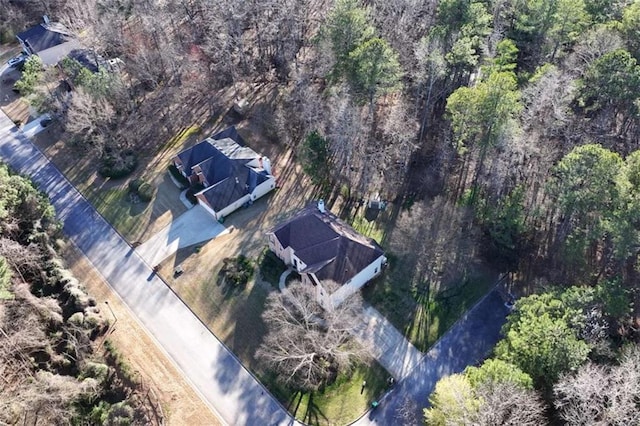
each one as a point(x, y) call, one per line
point(89, 118)
point(509, 404)
point(601, 395)
point(307, 346)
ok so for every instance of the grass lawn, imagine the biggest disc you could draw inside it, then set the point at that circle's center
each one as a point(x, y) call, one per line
point(368, 229)
point(135, 221)
point(114, 204)
point(340, 403)
point(271, 267)
point(234, 315)
point(422, 313)
point(8, 51)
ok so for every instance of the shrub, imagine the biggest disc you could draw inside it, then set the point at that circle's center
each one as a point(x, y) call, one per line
point(271, 267)
point(96, 371)
point(145, 192)
point(238, 270)
point(118, 164)
point(184, 182)
point(191, 193)
point(142, 189)
point(134, 185)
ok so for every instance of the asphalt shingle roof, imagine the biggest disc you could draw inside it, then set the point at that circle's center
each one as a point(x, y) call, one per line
point(223, 161)
point(40, 38)
point(330, 248)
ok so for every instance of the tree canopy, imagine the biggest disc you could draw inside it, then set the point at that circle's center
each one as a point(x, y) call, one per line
point(308, 346)
point(480, 114)
point(542, 335)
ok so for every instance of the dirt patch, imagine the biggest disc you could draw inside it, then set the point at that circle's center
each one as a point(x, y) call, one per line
point(180, 403)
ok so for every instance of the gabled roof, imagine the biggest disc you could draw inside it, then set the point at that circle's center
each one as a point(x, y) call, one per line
point(330, 248)
point(55, 54)
point(44, 36)
point(216, 167)
point(196, 154)
point(50, 41)
point(241, 181)
point(227, 167)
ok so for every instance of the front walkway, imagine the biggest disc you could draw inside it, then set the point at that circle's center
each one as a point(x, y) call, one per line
point(191, 227)
point(388, 346)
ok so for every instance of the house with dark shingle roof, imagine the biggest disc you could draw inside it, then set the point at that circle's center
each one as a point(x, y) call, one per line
point(232, 174)
point(322, 249)
point(51, 41)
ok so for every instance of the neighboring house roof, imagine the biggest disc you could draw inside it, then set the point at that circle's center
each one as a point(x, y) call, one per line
point(51, 42)
point(330, 248)
point(216, 166)
point(89, 59)
point(216, 143)
point(196, 154)
point(220, 162)
point(44, 36)
point(57, 53)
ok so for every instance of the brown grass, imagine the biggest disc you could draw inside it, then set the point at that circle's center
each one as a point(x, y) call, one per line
point(180, 404)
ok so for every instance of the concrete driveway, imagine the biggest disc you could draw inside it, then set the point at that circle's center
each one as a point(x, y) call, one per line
point(388, 346)
point(34, 127)
point(217, 375)
point(192, 227)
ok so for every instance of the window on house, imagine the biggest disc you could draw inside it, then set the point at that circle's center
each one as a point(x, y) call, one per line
point(295, 262)
point(375, 271)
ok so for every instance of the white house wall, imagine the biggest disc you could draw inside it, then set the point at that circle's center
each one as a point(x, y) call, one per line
point(263, 188)
point(285, 254)
point(234, 206)
point(356, 283)
point(206, 206)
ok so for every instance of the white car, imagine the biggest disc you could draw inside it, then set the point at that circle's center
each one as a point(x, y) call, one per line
point(13, 62)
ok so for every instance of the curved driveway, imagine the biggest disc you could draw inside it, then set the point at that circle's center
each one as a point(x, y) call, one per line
point(222, 381)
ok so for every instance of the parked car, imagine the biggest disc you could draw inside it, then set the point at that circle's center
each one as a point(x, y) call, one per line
point(17, 60)
point(46, 120)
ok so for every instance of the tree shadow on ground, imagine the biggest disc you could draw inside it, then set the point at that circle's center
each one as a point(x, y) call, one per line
point(313, 415)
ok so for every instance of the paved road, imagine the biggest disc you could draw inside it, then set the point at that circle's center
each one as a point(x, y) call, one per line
point(219, 377)
point(468, 342)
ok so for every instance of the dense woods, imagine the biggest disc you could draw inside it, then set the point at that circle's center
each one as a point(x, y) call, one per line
point(517, 119)
point(55, 364)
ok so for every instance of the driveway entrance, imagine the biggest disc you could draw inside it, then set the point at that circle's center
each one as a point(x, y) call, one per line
point(192, 227)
